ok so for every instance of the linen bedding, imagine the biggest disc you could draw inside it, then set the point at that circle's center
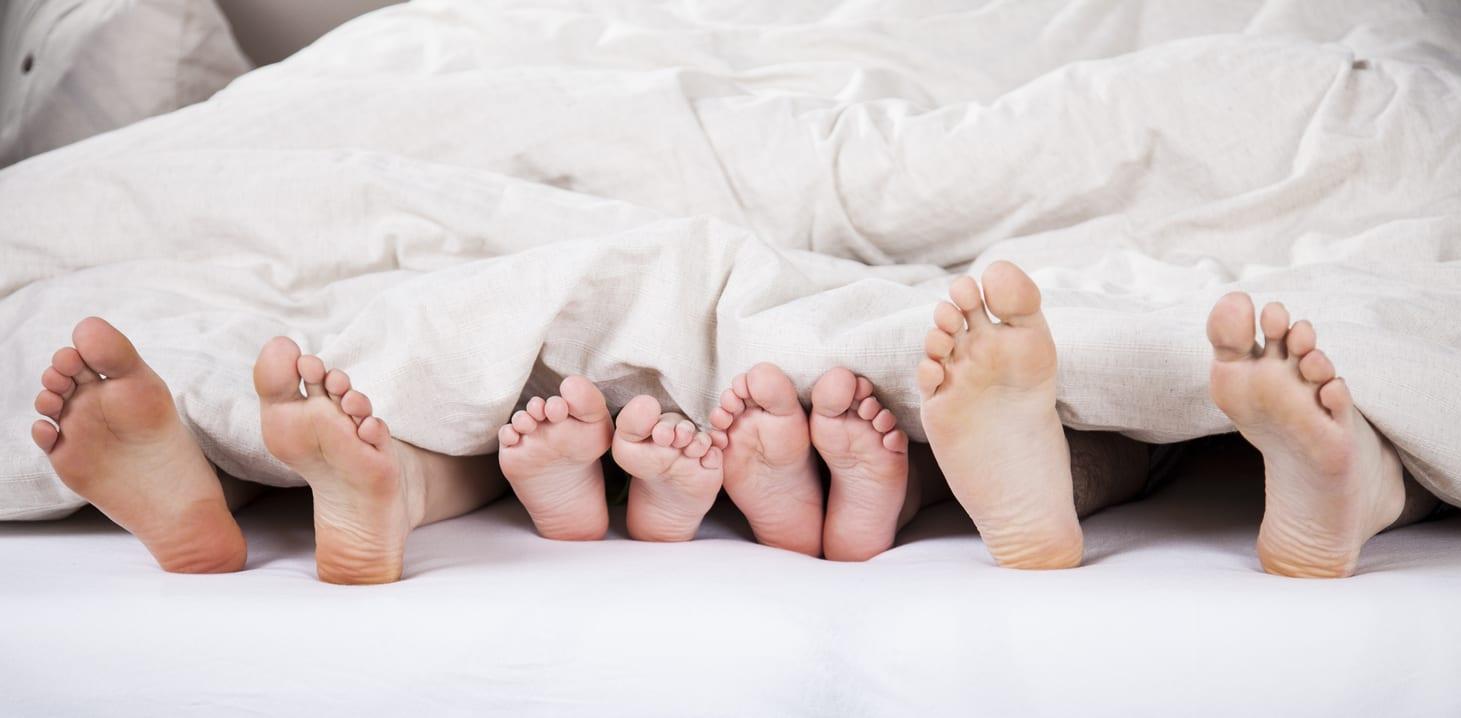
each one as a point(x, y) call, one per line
point(460, 201)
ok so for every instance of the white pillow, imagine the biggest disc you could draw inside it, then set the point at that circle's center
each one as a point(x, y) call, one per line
point(70, 69)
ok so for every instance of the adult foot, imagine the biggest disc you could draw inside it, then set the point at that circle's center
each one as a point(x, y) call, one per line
point(989, 411)
point(867, 456)
point(1331, 481)
point(770, 472)
point(118, 443)
point(550, 454)
point(675, 471)
point(367, 494)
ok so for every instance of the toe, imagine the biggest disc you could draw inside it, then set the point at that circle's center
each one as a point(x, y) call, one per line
point(721, 419)
point(507, 436)
point(937, 344)
point(712, 458)
point(68, 362)
point(555, 409)
point(965, 293)
point(698, 446)
point(772, 390)
point(1011, 295)
point(537, 408)
point(864, 389)
point(884, 421)
point(684, 433)
point(276, 372)
point(312, 370)
point(930, 375)
point(741, 387)
point(337, 383)
point(374, 431)
point(1301, 339)
point(1230, 327)
point(54, 380)
point(719, 439)
point(49, 403)
point(834, 392)
point(663, 433)
point(1336, 398)
point(868, 409)
point(1316, 368)
point(896, 441)
point(355, 404)
point(105, 349)
point(637, 419)
point(1275, 324)
point(523, 423)
point(731, 403)
point(946, 318)
point(44, 434)
point(585, 402)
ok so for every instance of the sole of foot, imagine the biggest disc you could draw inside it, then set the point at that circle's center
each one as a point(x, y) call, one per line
point(675, 471)
point(1331, 481)
point(365, 502)
point(988, 408)
point(867, 457)
point(550, 455)
point(118, 442)
point(770, 472)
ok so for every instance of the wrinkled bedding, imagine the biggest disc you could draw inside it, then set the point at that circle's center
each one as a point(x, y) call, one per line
point(459, 202)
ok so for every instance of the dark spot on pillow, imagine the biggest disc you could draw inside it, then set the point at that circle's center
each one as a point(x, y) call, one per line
point(1361, 65)
point(27, 63)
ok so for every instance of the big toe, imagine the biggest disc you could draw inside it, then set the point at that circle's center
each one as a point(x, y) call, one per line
point(276, 373)
point(1010, 294)
point(1230, 327)
point(772, 390)
point(833, 393)
point(585, 401)
point(104, 348)
point(637, 419)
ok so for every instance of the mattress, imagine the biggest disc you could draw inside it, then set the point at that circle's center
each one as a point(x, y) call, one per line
point(1171, 615)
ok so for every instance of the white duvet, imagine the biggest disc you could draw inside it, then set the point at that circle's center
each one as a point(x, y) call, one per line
point(454, 200)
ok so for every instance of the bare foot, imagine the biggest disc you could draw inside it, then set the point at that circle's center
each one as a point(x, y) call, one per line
point(365, 504)
point(121, 446)
point(989, 410)
point(867, 456)
point(550, 454)
point(674, 468)
point(1331, 481)
point(770, 472)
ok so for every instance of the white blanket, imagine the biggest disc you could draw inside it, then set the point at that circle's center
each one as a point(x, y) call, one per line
point(455, 200)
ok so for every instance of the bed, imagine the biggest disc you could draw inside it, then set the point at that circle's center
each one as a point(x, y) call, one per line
point(461, 203)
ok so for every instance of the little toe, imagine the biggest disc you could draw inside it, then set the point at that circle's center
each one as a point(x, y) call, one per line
point(508, 436)
point(374, 431)
point(312, 371)
point(537, 408)
point(638, 418)
point(1274, 321)
point(523, 423)
point(834, 392)
point(585, 401)
point(49, 403)
point(56, 381)
point(355, 404)
point(1316, 368)
point(1230, 327)
point(44, 434)
point(947, 318)
point(937, 344)
point(1301, 339)
point(1011, 295)
point(555, 409)
point(276, 371)
point(965, 293)
point(772, 390)
point(896, 441)
point(930, 375)
point(884, 421)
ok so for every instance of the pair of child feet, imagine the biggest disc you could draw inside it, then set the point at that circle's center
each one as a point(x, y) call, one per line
point(762, 448)
point(988, 390)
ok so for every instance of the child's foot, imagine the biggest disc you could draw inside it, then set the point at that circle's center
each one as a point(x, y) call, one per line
point(770, 472)
point(367, 497)
point(1331, 481)
point(675, 470)
point(121, 446)
point(550, 454)
point(989, 411)
point(868, 459)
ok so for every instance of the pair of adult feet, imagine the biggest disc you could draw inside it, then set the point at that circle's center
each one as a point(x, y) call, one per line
point(761, 448)
point(989, 390)
point(122, 446)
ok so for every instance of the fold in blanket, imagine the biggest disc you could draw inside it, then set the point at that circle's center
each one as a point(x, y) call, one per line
point(455, 202)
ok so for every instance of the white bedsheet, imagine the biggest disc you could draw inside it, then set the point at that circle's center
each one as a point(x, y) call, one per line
point(1171, 616)
point(456, 200)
